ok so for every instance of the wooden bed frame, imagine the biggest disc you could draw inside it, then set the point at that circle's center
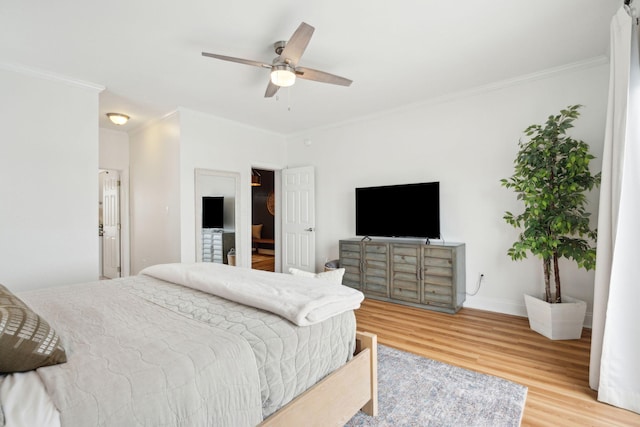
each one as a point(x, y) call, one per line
point(339, 396)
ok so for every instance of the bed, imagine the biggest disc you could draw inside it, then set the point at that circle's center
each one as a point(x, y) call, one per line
point(196, 344)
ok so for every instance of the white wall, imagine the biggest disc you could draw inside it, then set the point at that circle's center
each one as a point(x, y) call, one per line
point(48, 181)
point(163, 159)
point(468, 143)
point(209, 142)
point(114, 154)
point(113, 149)
point(155, 193)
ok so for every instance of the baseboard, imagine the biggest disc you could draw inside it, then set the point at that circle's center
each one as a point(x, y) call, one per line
point(509, 307)
point(496, 305)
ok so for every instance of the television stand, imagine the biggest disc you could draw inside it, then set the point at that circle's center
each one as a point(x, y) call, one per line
point(366, 239)
point(427, 242)
point(430, 276)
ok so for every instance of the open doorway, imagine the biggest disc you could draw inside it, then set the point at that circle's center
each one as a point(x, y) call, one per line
point(263, 228)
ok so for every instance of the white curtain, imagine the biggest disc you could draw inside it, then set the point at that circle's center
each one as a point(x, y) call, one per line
point(615, 343)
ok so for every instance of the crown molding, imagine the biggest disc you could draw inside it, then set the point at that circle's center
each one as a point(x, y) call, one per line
point(47, 75)
point(453, 96)
point(154, 121)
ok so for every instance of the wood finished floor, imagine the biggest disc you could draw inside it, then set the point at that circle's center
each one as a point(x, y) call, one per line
point(555, 372)
point(263, 262)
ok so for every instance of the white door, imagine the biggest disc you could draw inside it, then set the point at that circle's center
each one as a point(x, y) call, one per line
point(298, 219)
point(111, 224)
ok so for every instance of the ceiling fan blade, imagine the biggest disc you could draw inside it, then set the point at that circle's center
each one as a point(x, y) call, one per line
point(297, 44)
point(271, 90)
point(239, 60)
point(321, 76)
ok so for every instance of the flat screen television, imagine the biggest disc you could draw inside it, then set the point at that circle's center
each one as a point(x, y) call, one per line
point(213, 212)
point(408, 210)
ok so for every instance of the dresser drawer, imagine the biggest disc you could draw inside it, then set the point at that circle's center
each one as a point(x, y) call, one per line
point(438, 280)
point(437, 271)
point(406, 291)
point(437, 293)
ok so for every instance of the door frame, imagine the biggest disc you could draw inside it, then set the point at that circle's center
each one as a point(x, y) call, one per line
point(277, 218)
point(201, 176)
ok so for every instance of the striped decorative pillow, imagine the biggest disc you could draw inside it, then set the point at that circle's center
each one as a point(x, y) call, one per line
point(27, 341)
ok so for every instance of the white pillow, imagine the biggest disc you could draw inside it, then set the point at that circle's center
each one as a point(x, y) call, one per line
point(333, 276)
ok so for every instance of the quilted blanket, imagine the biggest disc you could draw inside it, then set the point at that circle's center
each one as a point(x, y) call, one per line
point(144, 351)
point(130, 363)
point(289, 358)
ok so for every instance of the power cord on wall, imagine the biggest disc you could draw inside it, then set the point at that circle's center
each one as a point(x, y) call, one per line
point(477, 287)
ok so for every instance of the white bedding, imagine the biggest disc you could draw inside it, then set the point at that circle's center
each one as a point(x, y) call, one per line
point(108, 379)
point(15, 390)
point(302, 300)
point(132, 364)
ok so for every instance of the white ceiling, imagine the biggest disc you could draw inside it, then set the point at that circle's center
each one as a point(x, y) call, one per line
point(147, 53)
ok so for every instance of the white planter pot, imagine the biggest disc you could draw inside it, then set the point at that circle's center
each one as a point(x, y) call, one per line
point(562, 321)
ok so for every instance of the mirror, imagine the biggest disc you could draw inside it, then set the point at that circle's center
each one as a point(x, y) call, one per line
point(220, 192)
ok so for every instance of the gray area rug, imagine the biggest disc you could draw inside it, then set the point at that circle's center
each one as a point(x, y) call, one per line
point(416, 391)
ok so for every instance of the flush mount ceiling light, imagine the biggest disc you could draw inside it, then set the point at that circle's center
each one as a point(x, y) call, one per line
point(117, 118)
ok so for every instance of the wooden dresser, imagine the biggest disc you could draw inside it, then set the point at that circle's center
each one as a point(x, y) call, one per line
point(406, 272)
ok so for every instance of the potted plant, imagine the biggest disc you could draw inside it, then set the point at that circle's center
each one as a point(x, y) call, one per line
point(552, 177)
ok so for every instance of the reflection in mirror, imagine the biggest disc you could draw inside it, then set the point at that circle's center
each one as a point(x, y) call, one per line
point(217, 213)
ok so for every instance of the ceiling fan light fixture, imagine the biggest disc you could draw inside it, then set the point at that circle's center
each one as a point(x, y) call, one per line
point(284, 68)
point(283, 75)
point(118, 118)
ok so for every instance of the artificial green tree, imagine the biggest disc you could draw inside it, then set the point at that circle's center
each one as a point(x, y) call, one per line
point(552, 177)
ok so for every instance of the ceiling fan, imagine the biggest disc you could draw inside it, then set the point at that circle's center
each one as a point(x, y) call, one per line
point(284, 68)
